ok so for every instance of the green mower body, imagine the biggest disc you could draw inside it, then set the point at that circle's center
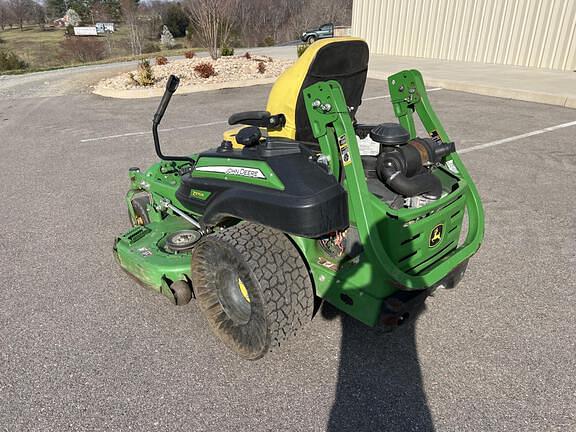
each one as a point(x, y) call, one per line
point(366, 249)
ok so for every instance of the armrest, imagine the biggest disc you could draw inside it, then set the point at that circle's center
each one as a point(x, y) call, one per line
point(258, 119)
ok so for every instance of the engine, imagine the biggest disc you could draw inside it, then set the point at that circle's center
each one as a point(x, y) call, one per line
point(405, 166)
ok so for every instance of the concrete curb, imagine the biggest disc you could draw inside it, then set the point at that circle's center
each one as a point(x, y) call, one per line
point(159, 91)
point(501, 92)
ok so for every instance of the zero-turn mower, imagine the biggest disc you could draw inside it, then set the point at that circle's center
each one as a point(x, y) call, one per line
point(286, 210)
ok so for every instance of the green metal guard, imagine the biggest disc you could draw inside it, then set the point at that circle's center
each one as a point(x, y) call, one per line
point(377, 273)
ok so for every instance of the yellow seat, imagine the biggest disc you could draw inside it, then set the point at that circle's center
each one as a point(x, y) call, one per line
point(344, 59)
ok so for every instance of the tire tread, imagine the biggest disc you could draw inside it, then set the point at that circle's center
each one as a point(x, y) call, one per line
point(282, 275)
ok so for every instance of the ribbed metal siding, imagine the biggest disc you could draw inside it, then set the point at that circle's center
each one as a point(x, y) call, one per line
point(537, 33)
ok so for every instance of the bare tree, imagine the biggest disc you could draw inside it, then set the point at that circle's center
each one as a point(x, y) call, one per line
point(6, 17)
point(277, 17)
point(253, 22)
point(304, 14)
point(39, 14)
point(99, 11)
point(247, 12)
point(213, 21)
point(21, 10)
point(150, 19)
point(338, 12)
point(129, 10)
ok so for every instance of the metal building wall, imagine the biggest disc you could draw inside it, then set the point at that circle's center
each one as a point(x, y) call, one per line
point(537, 33)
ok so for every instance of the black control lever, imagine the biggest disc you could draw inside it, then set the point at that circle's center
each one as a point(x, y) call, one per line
point(171, 86)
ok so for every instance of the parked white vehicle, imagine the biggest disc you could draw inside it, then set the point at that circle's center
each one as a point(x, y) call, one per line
point(105, 27)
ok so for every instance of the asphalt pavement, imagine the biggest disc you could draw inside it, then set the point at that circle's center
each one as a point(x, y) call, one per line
point(83, 347)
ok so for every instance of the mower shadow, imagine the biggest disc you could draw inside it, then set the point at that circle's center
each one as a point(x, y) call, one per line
point(379, 384)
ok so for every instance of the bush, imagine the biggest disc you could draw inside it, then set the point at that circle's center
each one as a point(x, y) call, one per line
point(10, 61)
point(161, 60)
point(226, 52)
point(175, 19)
point(204, 70)
point(83, 49)
point(269, 41)
point(247, 55)
point(189, 54)
point(144, 76)
point(301, 48)
point(261, 67)
point(190, 32)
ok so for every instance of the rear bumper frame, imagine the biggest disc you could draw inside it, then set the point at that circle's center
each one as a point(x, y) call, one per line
point(405, 304)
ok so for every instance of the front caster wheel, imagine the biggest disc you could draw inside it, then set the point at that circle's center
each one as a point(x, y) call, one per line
point(182, 292)
point(253, 288)
point(139, 204)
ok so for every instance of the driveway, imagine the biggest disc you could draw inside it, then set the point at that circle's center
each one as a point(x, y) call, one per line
point(83, 347)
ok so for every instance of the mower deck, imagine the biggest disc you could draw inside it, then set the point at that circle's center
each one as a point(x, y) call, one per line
point(141, 252)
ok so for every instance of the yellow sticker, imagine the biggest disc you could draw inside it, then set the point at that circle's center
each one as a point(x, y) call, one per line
point(346, 159)
point(344, 150)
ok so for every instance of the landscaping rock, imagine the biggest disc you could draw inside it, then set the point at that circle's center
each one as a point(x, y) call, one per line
point(234, 68)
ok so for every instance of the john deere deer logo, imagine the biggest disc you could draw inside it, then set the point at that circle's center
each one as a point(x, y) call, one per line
point(436, 235)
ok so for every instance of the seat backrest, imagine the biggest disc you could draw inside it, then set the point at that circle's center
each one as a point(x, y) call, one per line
point(344, 59)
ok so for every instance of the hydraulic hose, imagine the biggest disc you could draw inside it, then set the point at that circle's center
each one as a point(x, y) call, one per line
point(422, 184)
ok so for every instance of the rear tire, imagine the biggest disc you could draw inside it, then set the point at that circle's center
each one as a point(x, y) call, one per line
point(253, 288)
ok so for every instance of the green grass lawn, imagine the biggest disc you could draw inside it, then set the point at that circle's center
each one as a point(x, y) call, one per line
point(38, 48)
point(41, 48)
